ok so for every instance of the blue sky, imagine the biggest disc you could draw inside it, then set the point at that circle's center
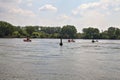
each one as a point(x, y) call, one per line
point(80, 13)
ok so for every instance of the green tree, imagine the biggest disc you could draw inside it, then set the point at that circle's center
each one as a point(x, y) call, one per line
point(30, 30)
point(50, 30)
point(117, 32)
point(69, 31)
point(35, 34)
point(104, 35)
point(6, 29)
point(79, 35)
point(91, 33)
point(16, 34)
point(55, 35)
point(111, 32)
point(43, 35)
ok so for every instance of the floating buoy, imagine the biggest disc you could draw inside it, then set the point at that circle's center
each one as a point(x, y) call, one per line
point(93, 41)
point(61, 44)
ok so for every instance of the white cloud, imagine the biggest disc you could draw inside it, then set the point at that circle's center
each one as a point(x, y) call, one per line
point(10, 1)
point(12, 7)
point(29, 4)
point(29, 0)
point(117, 9)
point(89, 5)
point(19, 1)
point(64, 17)
point(102, 6)
point(48, 7)
point(22, 12)
point(101, 13)
point(104, 13)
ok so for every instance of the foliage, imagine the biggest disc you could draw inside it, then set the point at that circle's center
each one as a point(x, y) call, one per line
point(113, 33)
point(35, 34)
point(90, 33)
point(6, 29)
point(16, 34)
point(104, 35)
point(51, 30)
point(67, 31)
point(30, 30)
point(79, 36)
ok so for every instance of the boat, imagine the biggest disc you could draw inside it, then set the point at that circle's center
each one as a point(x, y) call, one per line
point(27, 40)
point(94, 40)
point(71, 40)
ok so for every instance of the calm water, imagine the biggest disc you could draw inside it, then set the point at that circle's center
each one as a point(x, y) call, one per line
point(44, 59)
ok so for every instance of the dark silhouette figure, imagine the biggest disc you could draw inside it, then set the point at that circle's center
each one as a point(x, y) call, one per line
point(93, 40)
point(61, 44)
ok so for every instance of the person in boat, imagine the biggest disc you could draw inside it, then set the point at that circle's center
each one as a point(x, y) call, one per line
point(27, 39)
point(94, 40)
point(71, 40)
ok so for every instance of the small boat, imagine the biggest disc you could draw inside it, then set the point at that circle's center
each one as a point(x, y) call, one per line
point(94, 40)
point(71, 40)
point(27, 40)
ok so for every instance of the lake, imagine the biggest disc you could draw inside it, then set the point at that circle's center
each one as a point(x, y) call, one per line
point(44, 59)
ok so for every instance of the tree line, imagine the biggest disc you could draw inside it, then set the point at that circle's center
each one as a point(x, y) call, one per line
point(8, 30)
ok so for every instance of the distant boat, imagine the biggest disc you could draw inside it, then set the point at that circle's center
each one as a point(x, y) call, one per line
point(27, 40)
point(94, 41)
point(71, 40)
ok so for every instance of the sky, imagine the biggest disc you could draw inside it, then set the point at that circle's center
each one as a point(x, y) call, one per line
point(100, 14)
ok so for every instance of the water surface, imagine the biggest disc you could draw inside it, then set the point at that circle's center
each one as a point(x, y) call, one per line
point(44, 59)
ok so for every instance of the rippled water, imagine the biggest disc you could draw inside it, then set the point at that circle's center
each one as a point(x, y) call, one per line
point(44, 59)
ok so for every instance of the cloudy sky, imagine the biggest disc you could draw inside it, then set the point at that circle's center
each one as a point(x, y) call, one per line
point(80, 13)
